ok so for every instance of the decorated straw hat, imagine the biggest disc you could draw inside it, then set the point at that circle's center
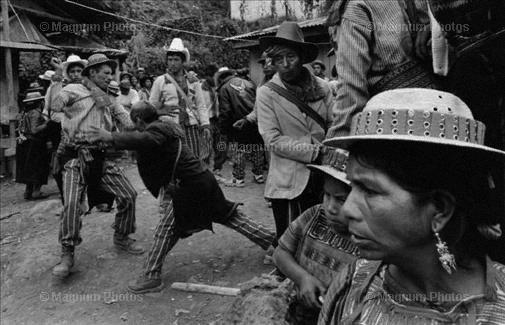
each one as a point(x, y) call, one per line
point(177, 46)
point(47, 75)
point(33, 96)
point(73, 59)
point(417, 115)
point(96, 60)
point(337, 167)
point(290, 34)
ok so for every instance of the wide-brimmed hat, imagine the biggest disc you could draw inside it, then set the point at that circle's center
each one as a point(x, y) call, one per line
point(290, 34)
point(47, 75)
point(98, 59)
point(73, 59)
point(418, 115)
point(337, 167)
point(113, 88)
point(177, 46)
point(33, 96)
point(320, 63)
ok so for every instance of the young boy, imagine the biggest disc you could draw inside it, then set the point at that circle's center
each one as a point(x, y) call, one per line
point(190, 197)
point(317, 245)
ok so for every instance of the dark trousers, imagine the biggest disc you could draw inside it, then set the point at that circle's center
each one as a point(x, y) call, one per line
point(286, 211)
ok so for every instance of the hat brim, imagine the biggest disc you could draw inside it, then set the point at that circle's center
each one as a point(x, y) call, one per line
point(332, 172)
point(109, 62)
point(44, 77)
point(33, 99)
point(346, 141)
point(310, 50)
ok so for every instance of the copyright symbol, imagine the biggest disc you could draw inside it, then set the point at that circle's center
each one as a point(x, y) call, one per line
point(44, 296)
point(44, 26)
point(221, 146)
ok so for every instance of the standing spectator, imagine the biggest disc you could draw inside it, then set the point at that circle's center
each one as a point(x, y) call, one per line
point(128, 95)
point(210, 98)
point(236, 101)
point(145, 88)
point(180, 101)
point(379, 45)
point(32, 157)
point(319, 69)
point(292, 136)
point(135, 83)
point(87, 105)
point(141, 73)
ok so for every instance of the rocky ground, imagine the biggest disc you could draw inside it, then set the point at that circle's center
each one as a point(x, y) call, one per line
point(96, 291)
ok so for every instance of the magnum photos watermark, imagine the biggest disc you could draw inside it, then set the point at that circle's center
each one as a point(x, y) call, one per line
point(106, 26)
point(234, 146)
point(107, 297)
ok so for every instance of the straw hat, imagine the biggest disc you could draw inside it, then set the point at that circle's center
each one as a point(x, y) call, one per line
point(72, 59)
point(96, 60)
point(337, 168)
point(290, 34)
point(113, 88)
point(33, 96)
point(178, 47)
point(418, 115)
point(47, 75)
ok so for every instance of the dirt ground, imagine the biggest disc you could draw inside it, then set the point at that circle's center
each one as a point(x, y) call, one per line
point(96, 293)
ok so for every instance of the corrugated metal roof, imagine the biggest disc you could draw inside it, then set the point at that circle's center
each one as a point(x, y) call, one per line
point(272, 30)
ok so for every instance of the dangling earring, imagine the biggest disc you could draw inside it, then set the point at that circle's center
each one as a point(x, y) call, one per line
point(446, 258)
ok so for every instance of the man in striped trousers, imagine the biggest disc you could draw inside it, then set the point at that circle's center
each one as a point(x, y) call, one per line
point(190, 197)
point(179, 100)
point(87, 105)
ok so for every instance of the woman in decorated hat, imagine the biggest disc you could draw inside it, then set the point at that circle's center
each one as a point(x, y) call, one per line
point(420, 215)
point(32, 157)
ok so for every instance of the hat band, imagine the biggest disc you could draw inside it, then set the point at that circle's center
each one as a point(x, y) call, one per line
point(418, 123)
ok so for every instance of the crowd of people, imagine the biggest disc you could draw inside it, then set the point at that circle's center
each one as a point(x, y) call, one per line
point(386, 183)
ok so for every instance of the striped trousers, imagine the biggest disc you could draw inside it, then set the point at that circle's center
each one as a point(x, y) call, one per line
point(165, 236)
point(193, 138)
point(239, 152)
point(113, 181)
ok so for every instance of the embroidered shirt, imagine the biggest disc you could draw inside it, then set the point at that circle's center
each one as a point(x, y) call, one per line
point(358, 296)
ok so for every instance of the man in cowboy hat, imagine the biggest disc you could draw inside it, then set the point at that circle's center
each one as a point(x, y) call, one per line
point(292, 135)
point(87, 105)
point(318, 67)
point(179, 100)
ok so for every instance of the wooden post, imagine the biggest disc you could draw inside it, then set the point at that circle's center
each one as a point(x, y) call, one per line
point(8, 61)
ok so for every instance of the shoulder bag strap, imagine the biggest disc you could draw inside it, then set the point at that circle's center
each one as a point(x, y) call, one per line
point(304, 108)
point(178, 88)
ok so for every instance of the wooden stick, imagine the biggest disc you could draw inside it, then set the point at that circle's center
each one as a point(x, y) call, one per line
point(204, 288)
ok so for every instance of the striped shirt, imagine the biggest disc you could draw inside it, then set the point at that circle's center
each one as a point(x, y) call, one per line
point(81, 113)
point(372, 39)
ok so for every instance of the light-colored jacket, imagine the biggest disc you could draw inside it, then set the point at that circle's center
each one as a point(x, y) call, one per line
point(291, 137)
point(165, 93)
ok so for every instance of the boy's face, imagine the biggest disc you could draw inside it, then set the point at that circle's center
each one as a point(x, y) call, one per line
point(335, 193)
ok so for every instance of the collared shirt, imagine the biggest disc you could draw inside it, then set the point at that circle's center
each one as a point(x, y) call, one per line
point(81, 113)
point(165, 93)
point(373, 38)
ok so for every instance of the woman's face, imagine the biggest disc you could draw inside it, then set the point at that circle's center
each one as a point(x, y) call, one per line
point(385, 220)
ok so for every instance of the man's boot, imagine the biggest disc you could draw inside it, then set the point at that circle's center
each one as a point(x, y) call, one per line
point(125, 243)
point(145, 284)
point(62, 269)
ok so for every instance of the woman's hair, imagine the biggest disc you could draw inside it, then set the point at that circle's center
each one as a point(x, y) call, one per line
point(422, 169)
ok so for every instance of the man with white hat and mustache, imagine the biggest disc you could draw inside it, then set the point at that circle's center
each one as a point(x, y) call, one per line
point(178, 100)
